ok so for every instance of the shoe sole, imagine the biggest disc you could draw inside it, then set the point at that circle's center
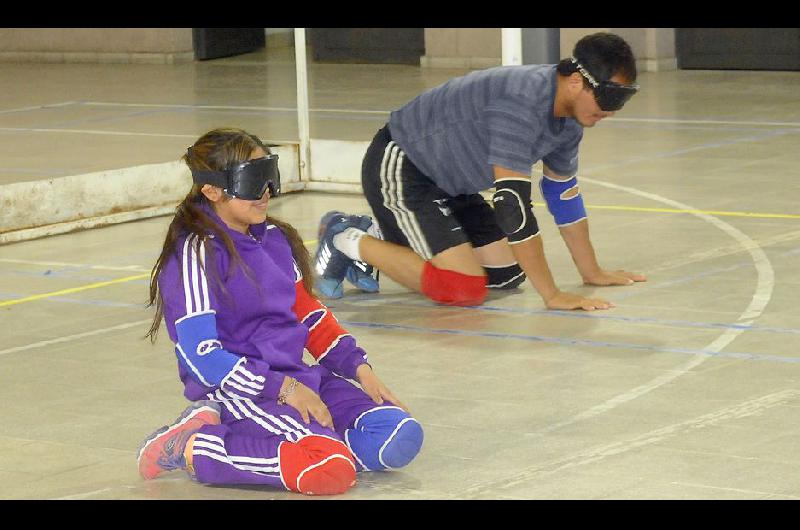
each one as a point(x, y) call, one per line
point(210, 417)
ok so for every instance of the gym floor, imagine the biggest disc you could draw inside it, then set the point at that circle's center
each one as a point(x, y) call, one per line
point(687, 389)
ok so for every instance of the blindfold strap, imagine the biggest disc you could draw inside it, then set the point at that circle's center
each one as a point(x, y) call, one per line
point(215, 178)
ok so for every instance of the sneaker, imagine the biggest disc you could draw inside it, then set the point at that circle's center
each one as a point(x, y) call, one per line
point(360, 273)
point(162, 451)
point(329, 263)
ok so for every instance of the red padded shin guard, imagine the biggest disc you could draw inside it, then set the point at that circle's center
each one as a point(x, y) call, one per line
point(451, 287)
point(316, 465)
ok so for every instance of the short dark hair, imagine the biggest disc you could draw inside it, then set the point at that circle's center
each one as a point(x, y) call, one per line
point(603, 55)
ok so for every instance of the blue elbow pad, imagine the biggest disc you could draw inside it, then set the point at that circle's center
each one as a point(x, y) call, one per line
point(565, 209)
point(200, 350)
point(384, 438)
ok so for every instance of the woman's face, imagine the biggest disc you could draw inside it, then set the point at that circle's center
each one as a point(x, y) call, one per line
point(239, 214)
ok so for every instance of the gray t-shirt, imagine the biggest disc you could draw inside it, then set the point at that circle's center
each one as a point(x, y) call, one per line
point(502, 116)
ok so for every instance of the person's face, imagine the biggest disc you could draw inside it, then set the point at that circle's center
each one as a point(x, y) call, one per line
point(585, 109)
point(239, 214)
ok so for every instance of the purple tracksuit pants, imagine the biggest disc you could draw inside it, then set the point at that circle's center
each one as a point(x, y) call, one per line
point(245, 448)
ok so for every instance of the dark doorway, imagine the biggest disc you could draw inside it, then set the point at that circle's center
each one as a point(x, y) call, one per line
point(213, 43)
point(738, 48)
point(368, 45)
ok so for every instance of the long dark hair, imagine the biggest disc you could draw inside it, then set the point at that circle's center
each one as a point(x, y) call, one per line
point(214, 151)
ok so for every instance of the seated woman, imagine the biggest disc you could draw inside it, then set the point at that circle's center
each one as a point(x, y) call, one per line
point(234, 288)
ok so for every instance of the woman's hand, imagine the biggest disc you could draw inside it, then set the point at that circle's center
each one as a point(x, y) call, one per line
point(375, 388)
point(306, 402)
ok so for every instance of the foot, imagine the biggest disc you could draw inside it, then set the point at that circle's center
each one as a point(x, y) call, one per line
point(330, 264)
point(360, 273)
point(163, 450)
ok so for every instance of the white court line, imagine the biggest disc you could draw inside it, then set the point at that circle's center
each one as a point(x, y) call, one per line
point(387, 111)
point(38, 107)
point(728, 250)
point(230, 107)
point(738, 490)
point(708, 122)
point(764, 286)
point(68, 338)
point(92, 131)
point(355, 111)
point(79, 496)
point(131, 268)
point(740, 410)
point(763, 292)
point(118, 133)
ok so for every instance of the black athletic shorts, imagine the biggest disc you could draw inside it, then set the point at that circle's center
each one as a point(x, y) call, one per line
point(412, 211)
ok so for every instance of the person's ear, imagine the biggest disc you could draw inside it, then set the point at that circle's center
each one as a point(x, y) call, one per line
point(575, 83)
point(212, 193)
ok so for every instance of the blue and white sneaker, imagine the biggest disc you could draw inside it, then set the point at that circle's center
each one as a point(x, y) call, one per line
point(330, 265)
point(329, 261)
point(360, 273)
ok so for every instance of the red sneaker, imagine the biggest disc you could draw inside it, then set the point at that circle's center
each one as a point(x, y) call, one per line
point(162, 451)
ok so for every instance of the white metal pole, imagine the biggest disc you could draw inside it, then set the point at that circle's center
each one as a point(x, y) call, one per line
point(512, 46)
point(303, 124)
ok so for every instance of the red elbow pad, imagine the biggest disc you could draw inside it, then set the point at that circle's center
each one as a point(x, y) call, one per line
point(325, 331)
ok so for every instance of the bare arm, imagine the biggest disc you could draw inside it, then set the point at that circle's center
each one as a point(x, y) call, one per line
point(576, 237)
point(531, 258)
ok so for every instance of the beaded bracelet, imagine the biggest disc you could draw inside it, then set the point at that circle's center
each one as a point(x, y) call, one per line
point(283, 395)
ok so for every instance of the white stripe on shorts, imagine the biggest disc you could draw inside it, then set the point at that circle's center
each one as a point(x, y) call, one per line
point(392, 191)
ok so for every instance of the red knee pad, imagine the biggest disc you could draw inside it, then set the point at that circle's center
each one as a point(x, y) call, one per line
point(451, 287)
point(317, 465)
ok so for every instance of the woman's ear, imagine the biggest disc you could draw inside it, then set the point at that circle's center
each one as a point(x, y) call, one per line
point(212, 193)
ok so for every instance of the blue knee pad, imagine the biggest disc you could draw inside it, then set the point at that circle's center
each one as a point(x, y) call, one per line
point(384, 438)
point(565, 210)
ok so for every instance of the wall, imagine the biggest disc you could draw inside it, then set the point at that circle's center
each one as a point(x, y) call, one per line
point(461, 48)
point(97, 45)
point(654, 48)
point(279, 37)
point(477, 48)
point(444, 47)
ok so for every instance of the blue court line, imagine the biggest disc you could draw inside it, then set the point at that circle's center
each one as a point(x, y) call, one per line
point(687, 279)
point(576, 342)
point(645, 320)
point(581, 314)
point(708, 272)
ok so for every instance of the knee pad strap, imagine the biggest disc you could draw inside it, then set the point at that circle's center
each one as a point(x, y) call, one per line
point(505, 277)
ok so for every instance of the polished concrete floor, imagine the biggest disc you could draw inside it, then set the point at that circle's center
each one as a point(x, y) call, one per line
point(688, 389)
